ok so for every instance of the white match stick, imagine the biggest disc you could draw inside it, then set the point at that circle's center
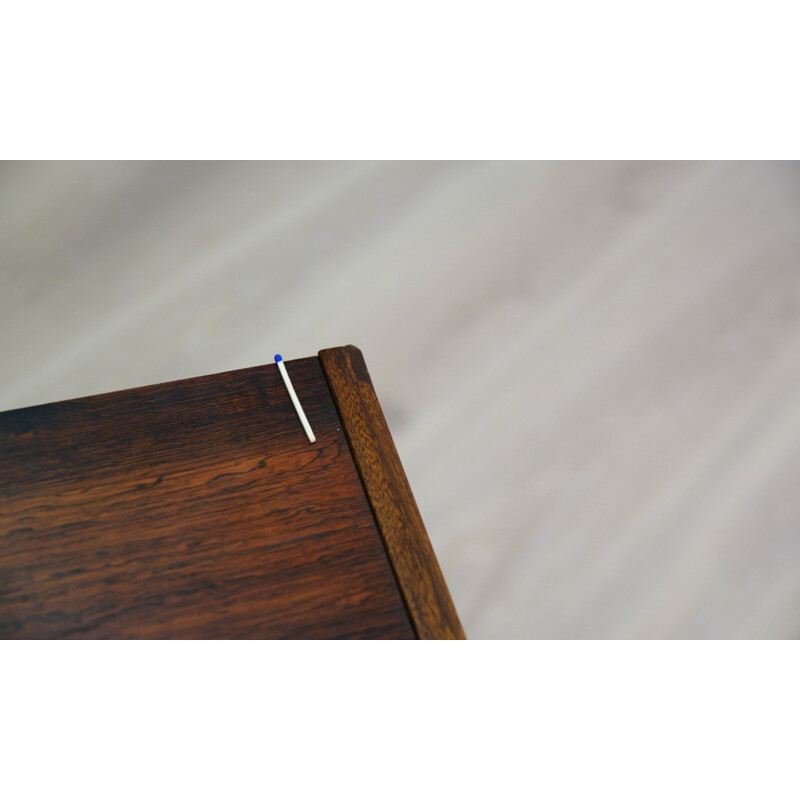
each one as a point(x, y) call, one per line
point(295, 402)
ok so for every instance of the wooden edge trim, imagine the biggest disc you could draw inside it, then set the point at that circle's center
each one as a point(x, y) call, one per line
point(410, 553)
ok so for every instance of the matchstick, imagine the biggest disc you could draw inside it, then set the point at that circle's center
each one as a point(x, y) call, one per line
point(295, 402)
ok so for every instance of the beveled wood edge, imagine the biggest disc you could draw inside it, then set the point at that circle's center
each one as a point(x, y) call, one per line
point(410, 553)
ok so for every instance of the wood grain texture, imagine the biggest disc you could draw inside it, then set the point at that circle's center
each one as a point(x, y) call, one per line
point(410, 552)
point(591, 369)
point(190, 509)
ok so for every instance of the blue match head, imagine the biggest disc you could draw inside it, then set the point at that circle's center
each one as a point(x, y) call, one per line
point(278, 357)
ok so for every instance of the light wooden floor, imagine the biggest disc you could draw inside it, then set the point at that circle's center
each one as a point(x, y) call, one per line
point(592, 371)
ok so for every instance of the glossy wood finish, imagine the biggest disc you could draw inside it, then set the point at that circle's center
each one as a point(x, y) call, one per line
point(389, 493)
point(190, 509)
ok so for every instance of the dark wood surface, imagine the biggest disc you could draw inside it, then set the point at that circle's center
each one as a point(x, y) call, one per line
point(190, 509)
point(413, 560)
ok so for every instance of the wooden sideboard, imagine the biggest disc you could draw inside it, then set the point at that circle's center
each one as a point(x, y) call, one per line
point(199, 509)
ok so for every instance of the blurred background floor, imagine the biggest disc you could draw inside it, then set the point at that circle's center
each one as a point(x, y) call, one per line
point(591, 370)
